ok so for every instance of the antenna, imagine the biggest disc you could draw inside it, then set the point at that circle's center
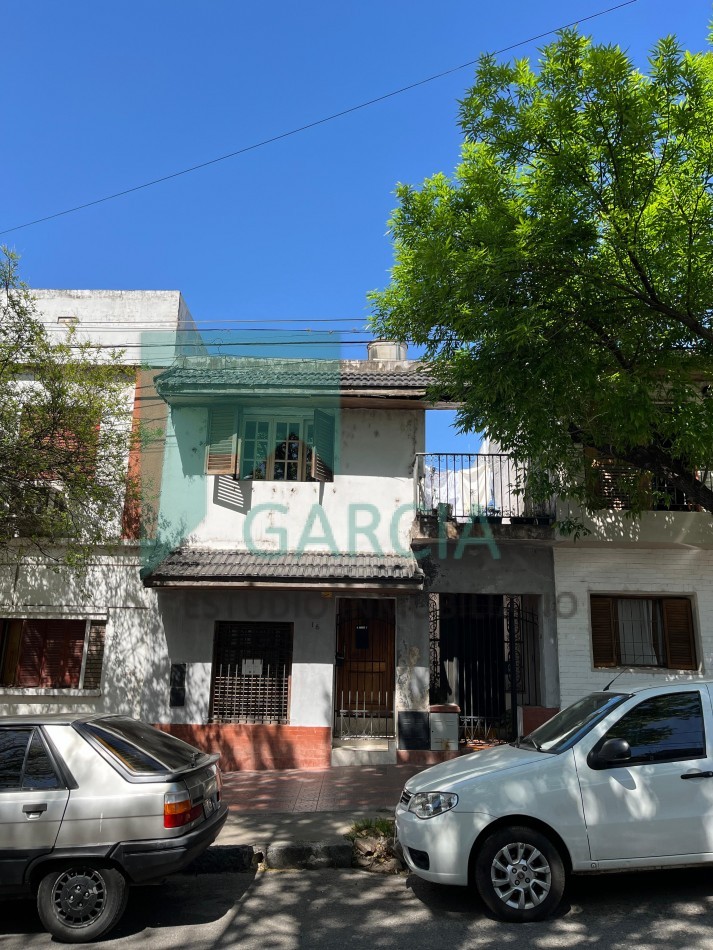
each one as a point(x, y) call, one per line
point(620, 673)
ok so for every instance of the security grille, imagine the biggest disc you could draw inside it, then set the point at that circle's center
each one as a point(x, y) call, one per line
point(252, 666)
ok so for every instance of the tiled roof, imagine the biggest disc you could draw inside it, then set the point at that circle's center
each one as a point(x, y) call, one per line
point(310, 375)
point(188, 567)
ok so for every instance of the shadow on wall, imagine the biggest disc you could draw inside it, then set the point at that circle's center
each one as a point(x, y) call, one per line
point(232, 494)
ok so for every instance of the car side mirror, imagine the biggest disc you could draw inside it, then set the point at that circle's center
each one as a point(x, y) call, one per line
point(613, 752)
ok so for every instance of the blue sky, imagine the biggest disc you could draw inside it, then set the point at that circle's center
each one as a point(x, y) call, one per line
point(99, 97)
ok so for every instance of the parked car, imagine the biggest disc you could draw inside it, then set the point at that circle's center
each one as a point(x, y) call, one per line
point(91, 804)
point(617, 781)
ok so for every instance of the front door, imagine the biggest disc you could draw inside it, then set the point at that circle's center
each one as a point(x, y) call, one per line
point(365, 670)
point(660, 803)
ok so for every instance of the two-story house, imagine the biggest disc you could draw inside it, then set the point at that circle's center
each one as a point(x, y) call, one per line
point(302, 582)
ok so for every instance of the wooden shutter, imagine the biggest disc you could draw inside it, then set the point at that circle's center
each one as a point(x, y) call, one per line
point(64, 646)
point(604, 652)
point(323, 453)
point(95, 656)
point(221, 449)
point(51, 653)
point(678, 632)
point(32, 648)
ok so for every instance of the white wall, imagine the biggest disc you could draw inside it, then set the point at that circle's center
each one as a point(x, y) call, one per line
point(581, 571)
point(189, 617)
point(373, 488)
point(153, 326)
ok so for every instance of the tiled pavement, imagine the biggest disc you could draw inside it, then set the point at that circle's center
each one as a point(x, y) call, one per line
point(338, 789)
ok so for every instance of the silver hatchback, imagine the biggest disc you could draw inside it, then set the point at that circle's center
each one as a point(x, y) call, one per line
point(91, 804)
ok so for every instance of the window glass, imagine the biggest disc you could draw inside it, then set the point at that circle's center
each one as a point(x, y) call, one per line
point(277, 449)
point(573, 722)
point(141, 748)
point(13, 746)
point(39, 771)
point(662, 729)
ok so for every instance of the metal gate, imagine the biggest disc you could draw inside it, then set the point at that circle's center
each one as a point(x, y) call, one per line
point(365, 669)
point(484, 657)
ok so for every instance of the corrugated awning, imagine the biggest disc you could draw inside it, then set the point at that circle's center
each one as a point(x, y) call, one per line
point(206, 567)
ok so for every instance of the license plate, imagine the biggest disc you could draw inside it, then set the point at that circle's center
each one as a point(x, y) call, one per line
point(208, 807)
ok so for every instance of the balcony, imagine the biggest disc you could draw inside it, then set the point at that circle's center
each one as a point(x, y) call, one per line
point(483, 487)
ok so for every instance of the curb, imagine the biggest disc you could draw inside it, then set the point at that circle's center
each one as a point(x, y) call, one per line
point(283, 856)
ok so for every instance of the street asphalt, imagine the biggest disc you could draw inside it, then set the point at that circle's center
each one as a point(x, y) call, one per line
point(334, 909)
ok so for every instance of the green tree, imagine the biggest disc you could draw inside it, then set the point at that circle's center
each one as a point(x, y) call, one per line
point(65, 434)
point(561, 281)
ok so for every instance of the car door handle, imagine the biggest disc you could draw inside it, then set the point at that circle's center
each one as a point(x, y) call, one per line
point(697, 775)
point(34, 810)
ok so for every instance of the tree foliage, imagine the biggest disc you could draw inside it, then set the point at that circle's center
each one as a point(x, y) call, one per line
point(562, 280)
point(65, 432)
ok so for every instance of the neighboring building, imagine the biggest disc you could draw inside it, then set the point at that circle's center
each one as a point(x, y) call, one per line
point(635, 599)
point(302, 582)
point(86, 643)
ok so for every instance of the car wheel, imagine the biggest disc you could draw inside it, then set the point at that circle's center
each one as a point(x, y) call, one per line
point(519, 874)
point(79, 902)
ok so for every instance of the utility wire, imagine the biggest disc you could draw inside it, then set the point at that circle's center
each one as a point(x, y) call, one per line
point(311, 125)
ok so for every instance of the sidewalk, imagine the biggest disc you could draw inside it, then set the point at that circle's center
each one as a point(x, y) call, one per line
point(298, 818)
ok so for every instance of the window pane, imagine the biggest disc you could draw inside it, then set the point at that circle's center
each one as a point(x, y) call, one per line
point(39, 772)
point(639, 632)
point(13, 745)
point(141, 748)
point(663, 728)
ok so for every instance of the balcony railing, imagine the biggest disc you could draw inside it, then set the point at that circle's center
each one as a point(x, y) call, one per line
point(491, 486)
point(464, 487)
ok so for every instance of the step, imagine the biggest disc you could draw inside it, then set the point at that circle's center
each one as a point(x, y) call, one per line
point(351, 755)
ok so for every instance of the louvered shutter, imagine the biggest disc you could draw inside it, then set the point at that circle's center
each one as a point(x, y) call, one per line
point(62, 660)
point(95, 656)
point(29, 667)
point(604, 652)
point(678, 631)
point(221, 449)
point(323, 454)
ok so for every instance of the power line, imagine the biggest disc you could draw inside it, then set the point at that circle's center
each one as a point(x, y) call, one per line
point(311, 125)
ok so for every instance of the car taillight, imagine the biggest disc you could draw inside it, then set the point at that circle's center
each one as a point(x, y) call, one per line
point(219, 780)
point(177, 809)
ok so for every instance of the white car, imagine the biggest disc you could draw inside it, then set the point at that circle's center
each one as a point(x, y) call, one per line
point(617, 781)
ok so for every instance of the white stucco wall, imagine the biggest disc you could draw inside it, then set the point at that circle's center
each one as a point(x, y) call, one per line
point(581, 571)
point(188, 619)
point(368, 508)
point(152, 327)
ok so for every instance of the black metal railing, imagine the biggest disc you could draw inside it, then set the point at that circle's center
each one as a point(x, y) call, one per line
point(465, 487)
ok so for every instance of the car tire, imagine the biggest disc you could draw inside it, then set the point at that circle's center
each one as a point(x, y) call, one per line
point(80, 902)
point(519, 874)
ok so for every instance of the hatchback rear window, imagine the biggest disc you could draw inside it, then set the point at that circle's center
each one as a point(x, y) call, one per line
point(141, 748)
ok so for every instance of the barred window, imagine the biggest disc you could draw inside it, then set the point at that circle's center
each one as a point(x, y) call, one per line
point(643, 631)
point(252, 668)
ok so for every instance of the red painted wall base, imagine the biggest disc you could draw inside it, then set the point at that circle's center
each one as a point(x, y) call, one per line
point(534, 716)
point(255, 747)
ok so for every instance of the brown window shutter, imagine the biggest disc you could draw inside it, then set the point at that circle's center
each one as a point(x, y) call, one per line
point(29, 667)
point(678, 631)
point(323, 454)
point(62, 660)
point(95, 656)
point(221, 450)
point(604, 652)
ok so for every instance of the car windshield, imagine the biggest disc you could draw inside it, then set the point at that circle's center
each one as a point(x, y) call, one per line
point(564, 729)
